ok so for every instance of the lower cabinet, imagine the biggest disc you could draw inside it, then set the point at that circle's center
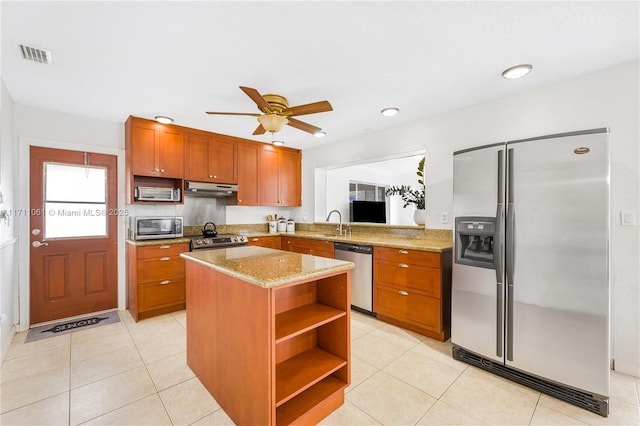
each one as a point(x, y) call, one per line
point(412, 289)
point(307, 246)
point(155, 279)
point(269, 242)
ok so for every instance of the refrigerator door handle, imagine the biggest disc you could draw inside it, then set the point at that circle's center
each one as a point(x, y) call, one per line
point(510, 255)
point(499, 265)
point(509, 327)
point(509, 273)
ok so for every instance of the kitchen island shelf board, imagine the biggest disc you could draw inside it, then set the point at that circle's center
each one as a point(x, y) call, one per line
point(309, 407)
point(269, 353)
point(302, 371)
point(297, 321)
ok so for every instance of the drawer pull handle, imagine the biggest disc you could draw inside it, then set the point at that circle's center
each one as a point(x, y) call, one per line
point(255, 239)
point(165, 246)
point(403, 252)
point(404, 293)
point(165, 282)
point(165, 258)
point(403, 265)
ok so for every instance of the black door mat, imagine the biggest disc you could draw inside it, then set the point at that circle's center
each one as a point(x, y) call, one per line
point(68, 326)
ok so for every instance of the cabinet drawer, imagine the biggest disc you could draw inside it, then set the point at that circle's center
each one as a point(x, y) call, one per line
point(323, 253)
point(161, 250)
point(158, 269)
point(270, 242)
point(307, 246)
point(412, 308)
point(415, 257)
point(407, 276)
point(160, 294)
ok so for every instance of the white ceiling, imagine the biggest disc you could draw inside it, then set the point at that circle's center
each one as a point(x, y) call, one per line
point(114, 59)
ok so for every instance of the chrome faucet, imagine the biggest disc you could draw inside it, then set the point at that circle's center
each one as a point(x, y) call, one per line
point(339, 218)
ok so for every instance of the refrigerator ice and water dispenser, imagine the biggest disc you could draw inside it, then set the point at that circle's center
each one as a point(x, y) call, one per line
point(475, 241)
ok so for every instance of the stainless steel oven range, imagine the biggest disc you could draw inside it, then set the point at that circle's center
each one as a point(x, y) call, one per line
point(219, 241)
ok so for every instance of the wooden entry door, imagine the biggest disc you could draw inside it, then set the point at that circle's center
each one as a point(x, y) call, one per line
point(73, 233)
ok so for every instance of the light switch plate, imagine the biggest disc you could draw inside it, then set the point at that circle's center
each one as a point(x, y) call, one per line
point(627, 218)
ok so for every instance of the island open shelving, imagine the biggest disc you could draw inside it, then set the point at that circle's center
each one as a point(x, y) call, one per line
point(275, 354)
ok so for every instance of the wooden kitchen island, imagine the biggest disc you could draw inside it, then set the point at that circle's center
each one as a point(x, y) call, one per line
point(268, 332)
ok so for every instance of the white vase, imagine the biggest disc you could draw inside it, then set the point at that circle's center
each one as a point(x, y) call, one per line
point(419, 216)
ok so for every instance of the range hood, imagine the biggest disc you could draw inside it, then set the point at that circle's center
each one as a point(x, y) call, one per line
point(210, 190)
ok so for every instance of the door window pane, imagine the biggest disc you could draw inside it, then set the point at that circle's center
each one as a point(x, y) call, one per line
point(75, 201)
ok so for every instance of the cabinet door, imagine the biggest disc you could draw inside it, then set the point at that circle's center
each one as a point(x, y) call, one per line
point(248, 163)
point(196, 160)
point(289, 179)
point(223, 161)
point(268, 177)
point(170, 152)
point(143, 149)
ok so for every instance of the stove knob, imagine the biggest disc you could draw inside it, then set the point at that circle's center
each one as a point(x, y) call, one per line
point(242, 239)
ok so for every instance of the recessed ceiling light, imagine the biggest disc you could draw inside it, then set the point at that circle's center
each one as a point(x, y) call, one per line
point(389, 112)
point(163, 119)
point(517, 71)
point(277, 143)
point(320, 134)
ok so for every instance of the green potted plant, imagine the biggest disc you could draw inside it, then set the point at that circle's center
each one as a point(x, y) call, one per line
point(412, 196)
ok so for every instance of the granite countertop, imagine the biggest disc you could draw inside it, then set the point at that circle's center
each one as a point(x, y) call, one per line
point(372, 239)
point(420, 244)
point(267, 267)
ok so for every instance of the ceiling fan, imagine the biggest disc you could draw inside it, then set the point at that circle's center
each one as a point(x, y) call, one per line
point(277, 113)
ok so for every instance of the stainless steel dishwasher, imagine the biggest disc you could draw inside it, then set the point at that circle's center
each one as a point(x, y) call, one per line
point(361, 274)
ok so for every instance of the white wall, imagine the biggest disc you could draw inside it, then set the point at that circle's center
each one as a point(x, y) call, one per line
point(608, 98)
point(37, 127)
point(8, 246)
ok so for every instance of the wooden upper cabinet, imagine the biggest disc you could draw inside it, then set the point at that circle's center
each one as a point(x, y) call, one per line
point(280, 176)
point(290, 178)
point(248, 161)
point(208, 159)
point(156, 149)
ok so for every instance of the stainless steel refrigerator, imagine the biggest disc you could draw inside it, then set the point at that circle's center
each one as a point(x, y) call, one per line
point(530, 289)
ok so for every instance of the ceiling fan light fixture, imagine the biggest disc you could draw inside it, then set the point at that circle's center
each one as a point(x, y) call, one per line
point(277, 143)
point(320, 134)
point(390, 112)
point(272, 122)
point(517, 71)
point(163, 119)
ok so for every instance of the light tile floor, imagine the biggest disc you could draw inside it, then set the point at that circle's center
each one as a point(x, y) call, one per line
point(132, 373)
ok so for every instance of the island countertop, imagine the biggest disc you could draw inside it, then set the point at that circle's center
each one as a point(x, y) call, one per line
point(267, 267)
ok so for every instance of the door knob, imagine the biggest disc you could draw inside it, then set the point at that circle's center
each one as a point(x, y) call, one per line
point(39, 243)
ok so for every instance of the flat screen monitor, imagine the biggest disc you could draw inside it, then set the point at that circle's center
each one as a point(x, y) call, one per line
point(368, 211)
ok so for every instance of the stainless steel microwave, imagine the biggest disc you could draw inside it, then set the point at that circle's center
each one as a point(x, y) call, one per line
point(155, 228)
point(148, 193)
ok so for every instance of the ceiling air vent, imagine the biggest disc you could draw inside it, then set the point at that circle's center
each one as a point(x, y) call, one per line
point(36, 55)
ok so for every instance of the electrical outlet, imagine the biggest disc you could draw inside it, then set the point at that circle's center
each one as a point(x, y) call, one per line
point(444, 217)
point(628, 218)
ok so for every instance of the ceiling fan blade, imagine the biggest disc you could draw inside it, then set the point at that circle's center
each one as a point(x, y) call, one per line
point(235, 113)
point(312, 108)
point(306, 127)
point(259, 130)
point(256, 97)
